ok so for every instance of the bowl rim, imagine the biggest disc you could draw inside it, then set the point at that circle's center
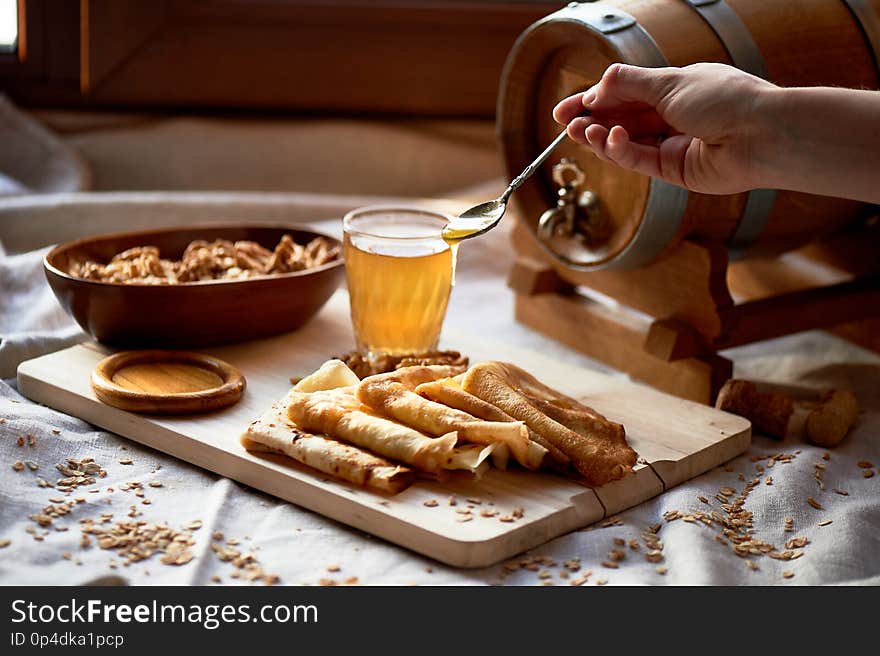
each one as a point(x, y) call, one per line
point(58, 248)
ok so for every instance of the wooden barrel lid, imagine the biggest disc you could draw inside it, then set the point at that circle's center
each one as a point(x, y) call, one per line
point(166, 382)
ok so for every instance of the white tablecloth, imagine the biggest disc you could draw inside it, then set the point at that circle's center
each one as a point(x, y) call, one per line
point(299, 545)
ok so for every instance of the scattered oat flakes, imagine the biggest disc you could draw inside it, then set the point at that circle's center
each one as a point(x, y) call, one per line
point(125, 461)
point(703, 499)
point(5, 542)
point(788, 574)
point(485, 512)
point(842, 493)
point(601, 581)
point(610, 564)
point(18, 466)
point(32, 441)
point(333, 568)
point(55, 431)
point(430, 503)
point(216, 579)
point(467, 518)
point(620, 542)
point(769, 481)
point(864, 464)
point(20, 441)
point(452, 500)
point(660, 570)
point(797, 543)
point(654, 556)
point(825, 522)
point(155, 483)
point(506, 518)
point(867, 473)
point(815, 504)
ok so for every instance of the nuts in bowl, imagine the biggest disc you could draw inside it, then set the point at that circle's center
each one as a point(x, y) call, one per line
point(217, 260)
point(194, 286)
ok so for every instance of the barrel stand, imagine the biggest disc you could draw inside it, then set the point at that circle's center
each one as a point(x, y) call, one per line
point(665, 323)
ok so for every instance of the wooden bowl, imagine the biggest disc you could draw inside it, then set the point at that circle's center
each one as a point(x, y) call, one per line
point(191, 314)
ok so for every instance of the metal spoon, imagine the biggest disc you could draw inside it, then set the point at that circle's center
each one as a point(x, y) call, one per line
point(485, 216)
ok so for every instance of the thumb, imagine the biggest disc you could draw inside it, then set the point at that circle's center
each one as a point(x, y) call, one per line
point(622, 84)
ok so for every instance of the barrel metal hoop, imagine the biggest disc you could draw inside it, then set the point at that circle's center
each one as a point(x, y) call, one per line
point(733, 34)
point(868, 18)
point(665, 205)
point(746, 56)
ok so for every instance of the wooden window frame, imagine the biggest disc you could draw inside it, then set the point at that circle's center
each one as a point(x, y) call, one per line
point(429, 57)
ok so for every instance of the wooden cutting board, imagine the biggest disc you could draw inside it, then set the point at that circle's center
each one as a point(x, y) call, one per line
point(677, 439)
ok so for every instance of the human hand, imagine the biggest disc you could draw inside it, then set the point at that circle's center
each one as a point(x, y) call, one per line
point(700, 127)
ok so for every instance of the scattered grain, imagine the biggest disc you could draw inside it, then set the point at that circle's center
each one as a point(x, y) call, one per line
point(797, 543)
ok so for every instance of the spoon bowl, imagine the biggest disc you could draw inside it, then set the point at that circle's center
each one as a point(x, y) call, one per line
point(485, 216)
point(475, 221)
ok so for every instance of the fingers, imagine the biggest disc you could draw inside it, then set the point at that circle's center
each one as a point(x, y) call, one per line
point(615, 146)
point(573, 106)
point(622, 84)
point(621, 87)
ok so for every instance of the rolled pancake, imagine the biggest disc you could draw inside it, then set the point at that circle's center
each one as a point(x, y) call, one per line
point(330, 375)
point(339, 414)
point(448, 391)
point(274, 433)
point(599, 456)
point(386, 394)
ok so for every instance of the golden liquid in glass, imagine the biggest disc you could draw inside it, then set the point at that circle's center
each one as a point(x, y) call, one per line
point(398, 293)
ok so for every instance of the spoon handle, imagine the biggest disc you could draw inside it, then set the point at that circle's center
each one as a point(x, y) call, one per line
point(531, 168)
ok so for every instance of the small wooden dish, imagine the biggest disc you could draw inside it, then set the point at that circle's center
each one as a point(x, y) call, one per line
point(166, 382)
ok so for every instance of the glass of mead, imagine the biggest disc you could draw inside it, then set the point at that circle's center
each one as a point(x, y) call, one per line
point(400, 274)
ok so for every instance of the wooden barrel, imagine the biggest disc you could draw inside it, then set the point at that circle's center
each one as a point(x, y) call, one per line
point(790, 43)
